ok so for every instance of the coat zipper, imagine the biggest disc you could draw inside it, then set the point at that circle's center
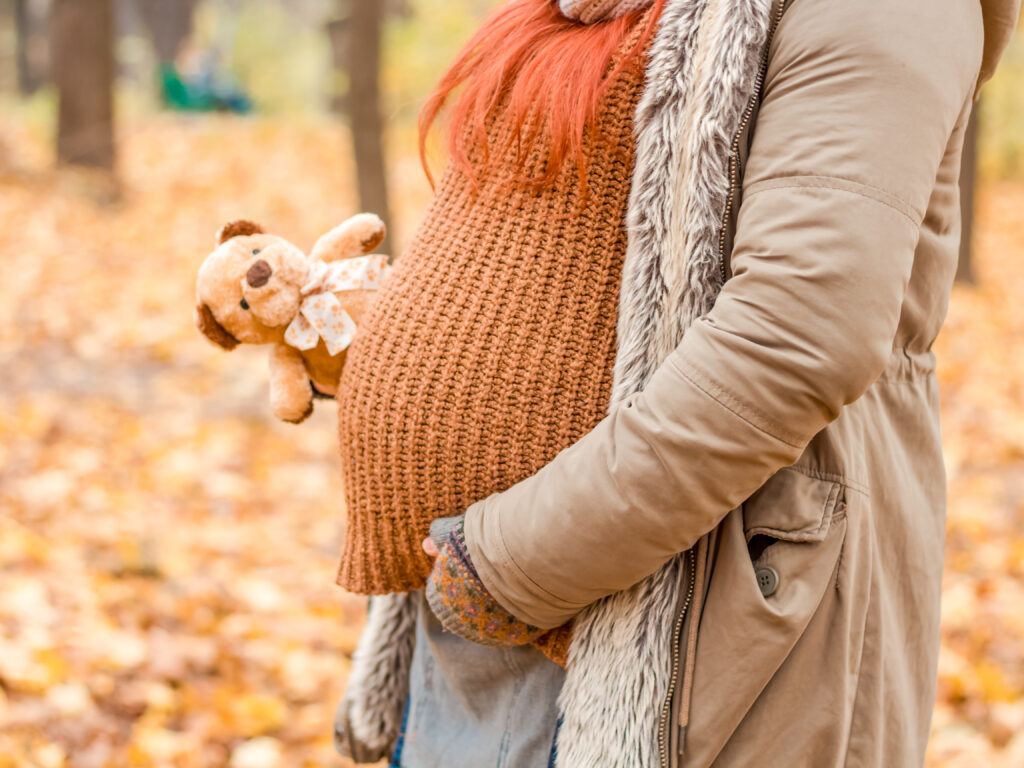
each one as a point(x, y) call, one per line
point(734, 149)
point(677, 632)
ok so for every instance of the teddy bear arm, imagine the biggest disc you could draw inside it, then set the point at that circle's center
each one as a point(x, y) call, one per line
point(354, 237)
point(291, 395)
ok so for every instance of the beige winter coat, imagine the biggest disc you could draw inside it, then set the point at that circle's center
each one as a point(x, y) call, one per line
point(791, 439)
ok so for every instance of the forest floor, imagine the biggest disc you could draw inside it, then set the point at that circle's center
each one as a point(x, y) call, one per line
point(168, 551)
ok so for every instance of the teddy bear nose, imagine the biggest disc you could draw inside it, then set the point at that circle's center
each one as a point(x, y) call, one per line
point(258, 274)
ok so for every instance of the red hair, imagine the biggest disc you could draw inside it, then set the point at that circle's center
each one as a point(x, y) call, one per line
point(544, 72)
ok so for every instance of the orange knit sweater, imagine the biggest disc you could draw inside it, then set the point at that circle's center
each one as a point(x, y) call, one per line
point(488, 351)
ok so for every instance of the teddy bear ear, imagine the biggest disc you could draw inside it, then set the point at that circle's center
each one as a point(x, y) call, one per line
point(237, 229)
point(214, 331)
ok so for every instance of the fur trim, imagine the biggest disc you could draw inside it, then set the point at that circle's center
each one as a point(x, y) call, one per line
point(701, 73)
point(700, 77)
point(379, 681)
point(617, 678)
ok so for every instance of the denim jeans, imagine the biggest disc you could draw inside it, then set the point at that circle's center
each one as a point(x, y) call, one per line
point(475, 706)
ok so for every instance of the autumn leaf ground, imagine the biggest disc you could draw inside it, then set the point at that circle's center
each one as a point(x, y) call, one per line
point(167, 551)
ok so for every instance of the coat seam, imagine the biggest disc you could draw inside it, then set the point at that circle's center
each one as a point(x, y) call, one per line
point(839, 184)
point(834, 477)
point(842, 549)
point(742, 411)
point(854, 708)
point(506, 556)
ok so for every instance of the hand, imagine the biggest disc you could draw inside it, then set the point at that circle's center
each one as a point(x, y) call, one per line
point(459, 599)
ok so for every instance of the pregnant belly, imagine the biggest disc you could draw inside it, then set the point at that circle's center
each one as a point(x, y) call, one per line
point(450, 395)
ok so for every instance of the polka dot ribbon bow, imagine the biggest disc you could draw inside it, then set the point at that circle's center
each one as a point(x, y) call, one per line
point(321, 315)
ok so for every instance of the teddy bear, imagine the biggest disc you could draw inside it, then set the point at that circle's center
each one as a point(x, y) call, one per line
point(258, 288)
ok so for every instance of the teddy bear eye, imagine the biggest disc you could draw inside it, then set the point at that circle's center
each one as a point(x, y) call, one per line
point(243, 304)
point(255, 251)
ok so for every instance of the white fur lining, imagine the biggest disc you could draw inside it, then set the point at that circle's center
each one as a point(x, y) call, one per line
point(700, 77)
point(379, 680)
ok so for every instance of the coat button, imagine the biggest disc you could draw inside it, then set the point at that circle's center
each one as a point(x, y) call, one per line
point(767, 580)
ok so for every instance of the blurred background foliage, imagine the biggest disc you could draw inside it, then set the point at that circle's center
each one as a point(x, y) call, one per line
point(281, 56)
point(167, 551)
point(1002, 118)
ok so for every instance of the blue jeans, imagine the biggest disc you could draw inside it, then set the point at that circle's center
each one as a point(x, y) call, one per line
point(475, 706)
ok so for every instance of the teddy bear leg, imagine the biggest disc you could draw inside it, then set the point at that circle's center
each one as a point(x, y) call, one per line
point(291, 395)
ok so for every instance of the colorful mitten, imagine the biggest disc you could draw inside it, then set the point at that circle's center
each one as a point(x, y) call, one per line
point(459, 599)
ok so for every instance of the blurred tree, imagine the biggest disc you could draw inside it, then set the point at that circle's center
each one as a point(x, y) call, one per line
point(968, 177)
point(26, 86)
point(82, 36)
point(169, 23)
point(338, 36)
point(30, 46)
point(358, 37)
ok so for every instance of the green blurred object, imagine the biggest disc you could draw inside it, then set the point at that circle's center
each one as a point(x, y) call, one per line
point(207, 93)
point(177, 94)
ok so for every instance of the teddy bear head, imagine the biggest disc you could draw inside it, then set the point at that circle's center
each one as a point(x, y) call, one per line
point(249, 288)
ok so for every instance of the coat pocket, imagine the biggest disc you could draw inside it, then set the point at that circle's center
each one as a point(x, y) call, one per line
point(791, 507)
point(774, 566)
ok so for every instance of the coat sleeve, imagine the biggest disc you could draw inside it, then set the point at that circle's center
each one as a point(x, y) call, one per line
point(861, 100)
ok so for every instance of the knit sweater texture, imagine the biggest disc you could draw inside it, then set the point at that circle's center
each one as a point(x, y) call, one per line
point(490, 347)
point(591, 11)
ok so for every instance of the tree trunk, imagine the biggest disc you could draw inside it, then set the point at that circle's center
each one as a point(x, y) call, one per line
point(364, 26)
point(82, 35)
point(337, 34)
point(26, 86)
point(30, 47)
point(968, 177)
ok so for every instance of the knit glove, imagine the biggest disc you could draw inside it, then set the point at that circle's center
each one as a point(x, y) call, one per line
point(460, 600)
